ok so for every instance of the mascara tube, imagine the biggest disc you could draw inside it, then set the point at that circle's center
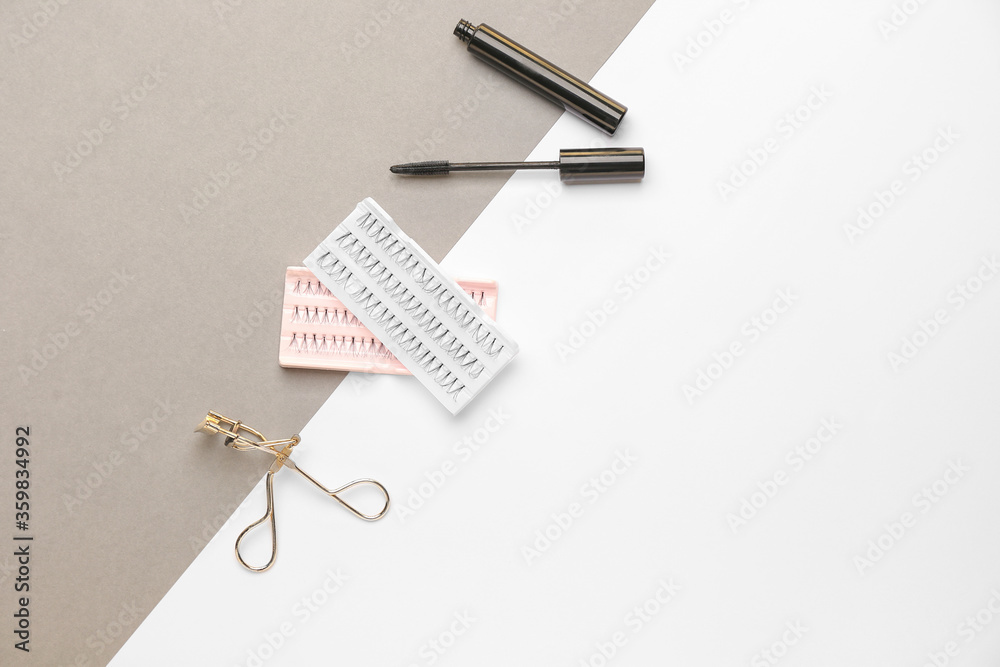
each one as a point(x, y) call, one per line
point(538, 74)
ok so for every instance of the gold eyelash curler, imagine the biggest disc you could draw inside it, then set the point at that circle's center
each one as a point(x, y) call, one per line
point(281, 449)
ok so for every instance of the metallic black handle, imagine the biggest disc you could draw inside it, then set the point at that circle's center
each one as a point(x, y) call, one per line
point(540, 75)
point(606, 165)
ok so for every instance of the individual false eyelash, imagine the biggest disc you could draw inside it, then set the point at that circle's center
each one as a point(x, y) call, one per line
point(318, 331)
point(352, 346)
point(434, 327)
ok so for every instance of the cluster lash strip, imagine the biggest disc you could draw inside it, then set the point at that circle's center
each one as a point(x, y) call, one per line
point(353, 346)
point(394, 327)
point(432, 326)
point(318, 331)
point(434, 286)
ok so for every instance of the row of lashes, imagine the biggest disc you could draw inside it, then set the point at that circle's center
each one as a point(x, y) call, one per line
point(422, 317)
point(310, 288)
point(343, 317)
point(395, 330)
point(394, 327)
point(406, 259)
point(353, 346)
point(317, 288)
point(436, 289)
point(334, 317)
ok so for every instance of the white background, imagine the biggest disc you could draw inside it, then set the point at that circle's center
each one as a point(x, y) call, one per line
point(559, 254)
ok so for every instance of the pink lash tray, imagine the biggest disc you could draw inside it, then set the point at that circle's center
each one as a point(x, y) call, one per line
point(317, 331)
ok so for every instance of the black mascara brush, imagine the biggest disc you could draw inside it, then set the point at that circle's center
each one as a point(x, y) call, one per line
point(575, 165)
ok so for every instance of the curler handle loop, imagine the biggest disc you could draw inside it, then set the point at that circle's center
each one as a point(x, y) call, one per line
point(268, 515)
point(334, 493)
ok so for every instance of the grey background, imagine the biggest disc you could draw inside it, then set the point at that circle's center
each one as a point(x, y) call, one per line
point(125, 316)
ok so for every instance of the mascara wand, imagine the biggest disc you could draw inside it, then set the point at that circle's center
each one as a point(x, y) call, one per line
point(575, 165)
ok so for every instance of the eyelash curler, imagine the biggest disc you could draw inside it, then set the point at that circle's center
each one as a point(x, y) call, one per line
point(281, 450)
